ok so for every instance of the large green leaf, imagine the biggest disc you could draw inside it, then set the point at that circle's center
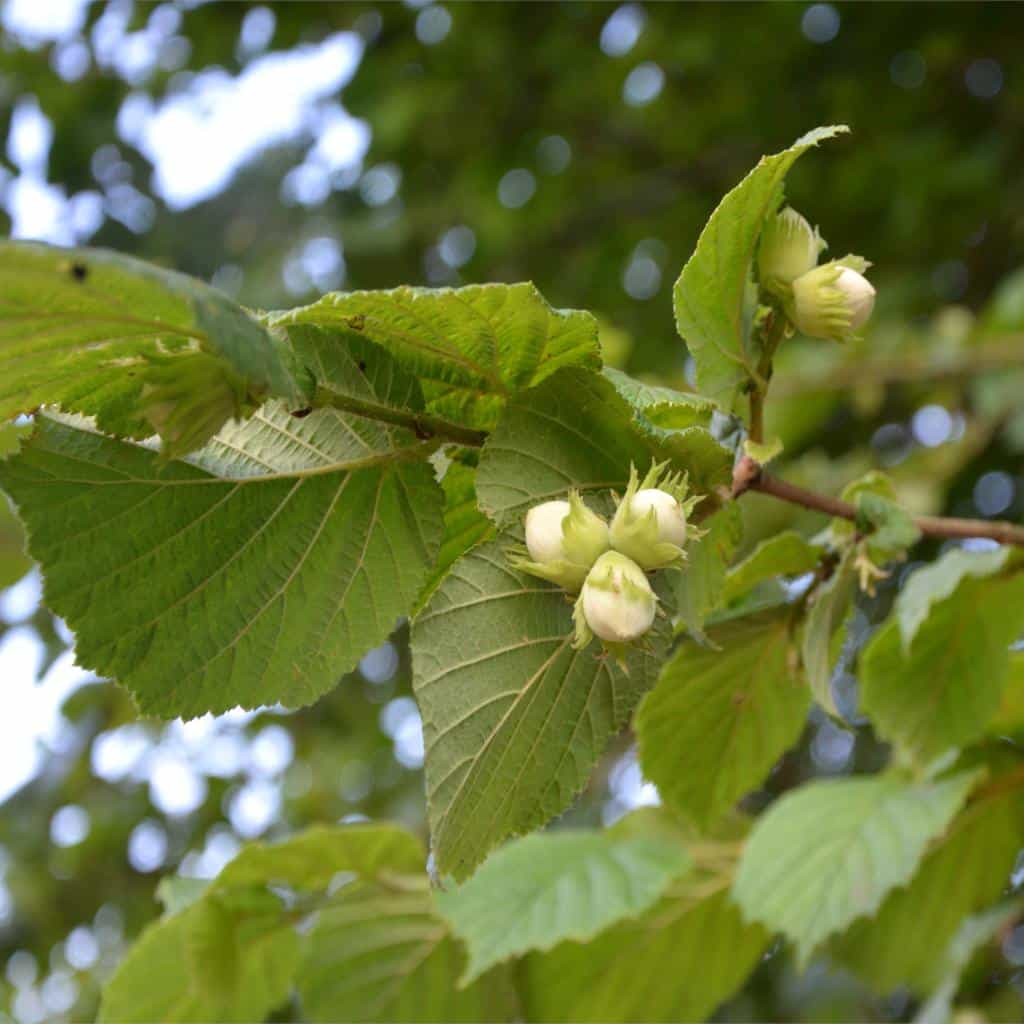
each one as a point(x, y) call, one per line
point(946, 689)
point(720, 717)
point(831, 851)
point(513, 717)
point(472, 348)
point(903, 943)
point(208, 962)
point(258, 573)
point(576, 431)
point(538, 891)
point(712, 296)
point(465, 525)
point(676, 963)
point(381, 953)
point(145, 350)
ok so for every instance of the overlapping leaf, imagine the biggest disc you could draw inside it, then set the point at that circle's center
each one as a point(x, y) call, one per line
point(541, 890)
point(966, 872)
point(720, 717)
point(471, 348)
point(662, 407)
point(258, 572)
point(513, 717)
point(208, 962)
point(576, 431)
point(377, 951)
point(932, 584)
point(100, 333)
point(677, 962)
point(311, 859)
point(831, 851)
point(824, 631)
point(700, 589)
point(943, 692)
point(381, 953)
point(713, 305)
point(785, 554)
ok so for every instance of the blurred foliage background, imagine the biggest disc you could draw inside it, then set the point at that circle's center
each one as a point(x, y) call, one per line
point(284, 150)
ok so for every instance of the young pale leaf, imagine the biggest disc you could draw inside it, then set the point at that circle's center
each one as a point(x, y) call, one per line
point(676, 963)
point(932, 584)
point(260, 573)
point(576, 431)
point(943, 693)
point(142, 349)
point(785, 554)
point(825, 630)
point(712, 289)
point(699, 587)
point(541, 890)
point(720, 718)
point(830, 851)
point(903, 943)
point(892, 530)
point(205, 963)
point(513, 717)
point(382, 953)
point(472, 348)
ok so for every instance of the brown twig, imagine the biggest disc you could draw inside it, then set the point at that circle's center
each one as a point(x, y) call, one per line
point(750, 476)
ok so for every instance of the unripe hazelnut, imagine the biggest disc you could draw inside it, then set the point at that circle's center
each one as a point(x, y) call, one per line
point(617, 600)
point(789, 248)
point(563, 540)
point(544, 538)
point(650, 524)
point(832, 301)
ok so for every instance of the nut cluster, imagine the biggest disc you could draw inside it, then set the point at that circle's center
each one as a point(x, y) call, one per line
point(606, 565)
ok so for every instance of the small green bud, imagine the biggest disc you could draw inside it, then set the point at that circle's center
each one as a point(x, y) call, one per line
point(563, 539)
point(651, 522)
point(832, 301)
point(616, 604)
point(789, 248)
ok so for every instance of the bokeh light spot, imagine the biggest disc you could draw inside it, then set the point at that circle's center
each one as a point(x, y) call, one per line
point(820, 23)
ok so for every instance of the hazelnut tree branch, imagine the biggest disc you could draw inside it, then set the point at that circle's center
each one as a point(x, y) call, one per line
point(749, 475)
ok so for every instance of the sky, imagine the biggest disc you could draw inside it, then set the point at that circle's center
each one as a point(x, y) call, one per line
point(198, 136)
